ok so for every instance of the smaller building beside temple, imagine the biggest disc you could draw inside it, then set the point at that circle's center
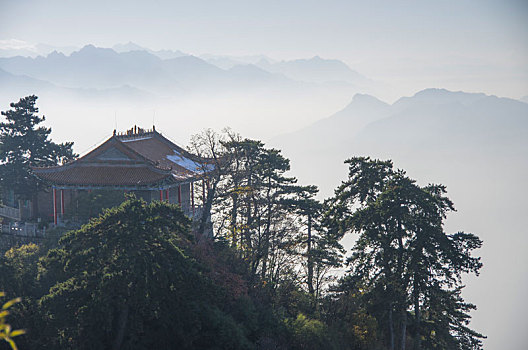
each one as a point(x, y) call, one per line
point(140, 161)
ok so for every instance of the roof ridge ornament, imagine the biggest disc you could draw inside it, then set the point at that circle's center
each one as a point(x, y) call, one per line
point(135, 132)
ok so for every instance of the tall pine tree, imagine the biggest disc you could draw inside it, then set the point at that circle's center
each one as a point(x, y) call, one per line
point(403, 257)
point(25, 144)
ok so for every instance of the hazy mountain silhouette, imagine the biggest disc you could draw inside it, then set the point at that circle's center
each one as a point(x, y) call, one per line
point(524, 99)
point(103, 68)
point(163, 54)
point(254, 77)
point(451, 122)
point(228, 62)
point(10, 81)
point(315, 69)
point(193, 71)
point(95, 81)
point(331, 132)
point(312, 70)
point(93, 67)
point(433, 121)
point(13, 87)
point(222, 61)
point(21, 48)
point(130, 46)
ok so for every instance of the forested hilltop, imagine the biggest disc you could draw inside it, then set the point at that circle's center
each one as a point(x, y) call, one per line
point(273, 276)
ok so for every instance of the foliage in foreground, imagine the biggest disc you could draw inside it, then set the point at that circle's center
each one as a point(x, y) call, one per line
point(129, 280)
point(6, 332)
point(136, 277)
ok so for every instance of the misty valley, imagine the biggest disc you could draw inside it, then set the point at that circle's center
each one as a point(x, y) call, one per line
point(154, 199)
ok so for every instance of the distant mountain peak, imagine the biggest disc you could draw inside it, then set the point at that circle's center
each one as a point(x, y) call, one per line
point(89, 50)
point(315, 69)
point(189, 58)
point(367, 100)
point(88, 47)
point(440, 96)
point(56, 54)
point(365, 97)
point(436, 92)
point(432, 91)
point(130, 46)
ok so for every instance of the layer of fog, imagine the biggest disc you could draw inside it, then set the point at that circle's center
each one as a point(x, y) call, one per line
point(473, 143)
point(477, 146)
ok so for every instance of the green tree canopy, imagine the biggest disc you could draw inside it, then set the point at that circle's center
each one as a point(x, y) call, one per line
point(125, 281)
point(25, 144)
point(403, 257)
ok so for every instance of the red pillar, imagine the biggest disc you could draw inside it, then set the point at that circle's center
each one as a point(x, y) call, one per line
point(161, 195)
point(55, 206)
point(179, 194)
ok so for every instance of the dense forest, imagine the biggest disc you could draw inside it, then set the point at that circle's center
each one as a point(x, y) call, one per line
point(273, 276)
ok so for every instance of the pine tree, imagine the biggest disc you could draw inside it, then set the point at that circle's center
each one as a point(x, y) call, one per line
point(402, 255)
point(25, 144)
point(319, 247)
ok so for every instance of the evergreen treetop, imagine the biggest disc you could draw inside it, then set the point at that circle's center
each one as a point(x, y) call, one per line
point(25, 144)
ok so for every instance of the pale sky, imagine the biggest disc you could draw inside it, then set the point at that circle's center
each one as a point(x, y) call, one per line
point(477, 45)
point(468, 45)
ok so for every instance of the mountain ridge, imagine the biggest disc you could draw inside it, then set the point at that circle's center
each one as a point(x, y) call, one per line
point(435, 121)
point(103, 68)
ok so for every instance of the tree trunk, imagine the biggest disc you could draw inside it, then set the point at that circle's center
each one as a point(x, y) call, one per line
point(264, 264)
point(121, 327)
point(248, 226)
point(416, 293)
point(403, 283)
point(267, 233)
point(391, 329)
point(207, 208)
point(309, 257)
point(418, 342)
point(265, 250)
point(390, 294)
point(234, 212)
point(403, 328)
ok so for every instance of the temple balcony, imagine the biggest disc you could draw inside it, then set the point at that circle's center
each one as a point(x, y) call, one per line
point(10, 213)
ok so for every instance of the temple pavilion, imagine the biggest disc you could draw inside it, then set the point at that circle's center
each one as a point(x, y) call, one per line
point(138, 160)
